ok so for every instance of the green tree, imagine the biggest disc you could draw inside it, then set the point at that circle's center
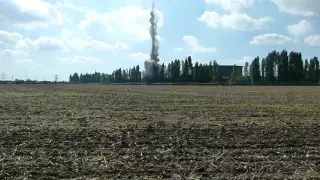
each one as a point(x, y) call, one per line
point(291, 67)
point(169, 71)
point(285, 62)
point(177, 68)
point(317, 70)
point(216, 76)
point(283, 67)
point(190, 69)
point(76, 78)
point(201, 72)
point(210, 71)
point(299, 67)
point(155, 73)
point(255, 70)
point(132, 74)
point(162, 74)
point(184, 65)
point(305, 70)
point(197, 72)
point(295, 67)
point(138, 73)
point(124, 76)
point(311, 70)
point(263, 69)
point(270, 66)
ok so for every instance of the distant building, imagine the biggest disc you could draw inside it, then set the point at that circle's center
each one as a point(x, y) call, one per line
point(226, 70)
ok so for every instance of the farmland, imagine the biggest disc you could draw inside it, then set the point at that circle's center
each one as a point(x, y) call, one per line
point(159, 132)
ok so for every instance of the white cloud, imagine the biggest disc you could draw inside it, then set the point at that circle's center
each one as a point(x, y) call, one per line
point(39, 65)
point(27, 60)
point(234, 21)
point(178, 49)
point(243, 60)
point(65, 33)
point(212, 19)
point(2, 44)
point(88, 43)
point(196, 46)
point(66, 4)
point(139, 56)
point(80, 60)
point(94, 22)
point(50, 44)
point(25, 44)
point(9, 39)
point(129, 20)
point(15, 56)
point(28, 14)
point(247, 58)
point(299, 7)
point(13, 53)
point(268, 39)
point(313, 40)
point(302, 28)
point(232, 5)
point(13, 40)
point(66, 20)
point(121, 46)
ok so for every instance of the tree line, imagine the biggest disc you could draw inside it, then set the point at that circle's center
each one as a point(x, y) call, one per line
point(275, 67)
point(119, 75)
point(175, 71)
point(283, 67)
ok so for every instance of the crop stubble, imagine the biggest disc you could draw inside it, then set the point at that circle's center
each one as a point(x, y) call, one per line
point(159, 132)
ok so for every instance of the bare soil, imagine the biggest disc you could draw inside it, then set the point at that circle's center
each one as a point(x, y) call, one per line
point(159, 132)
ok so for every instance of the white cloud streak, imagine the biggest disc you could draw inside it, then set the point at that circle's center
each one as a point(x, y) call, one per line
point(196, 47)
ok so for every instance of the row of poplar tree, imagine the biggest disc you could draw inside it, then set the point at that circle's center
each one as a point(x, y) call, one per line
point(275, 67)
point(175, 71)
point(129, 75)
point(283, 67)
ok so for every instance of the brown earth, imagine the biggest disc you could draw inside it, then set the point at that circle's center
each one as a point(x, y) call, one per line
point(159, 132)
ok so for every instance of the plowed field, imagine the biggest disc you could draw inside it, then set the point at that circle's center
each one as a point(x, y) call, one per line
point(159, 132)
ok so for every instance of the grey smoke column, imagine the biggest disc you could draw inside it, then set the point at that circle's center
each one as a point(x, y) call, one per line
point(153, 32)
point(154, 56)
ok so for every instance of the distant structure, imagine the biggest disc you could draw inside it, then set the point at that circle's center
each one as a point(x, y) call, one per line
point(3, 76)
point(226, 70)
point(56, 78)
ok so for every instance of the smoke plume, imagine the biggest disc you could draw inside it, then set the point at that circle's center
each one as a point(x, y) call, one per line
point(154, 56)
point(153, 32)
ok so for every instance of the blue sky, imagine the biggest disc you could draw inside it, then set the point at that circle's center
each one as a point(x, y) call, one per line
point(39, 38)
